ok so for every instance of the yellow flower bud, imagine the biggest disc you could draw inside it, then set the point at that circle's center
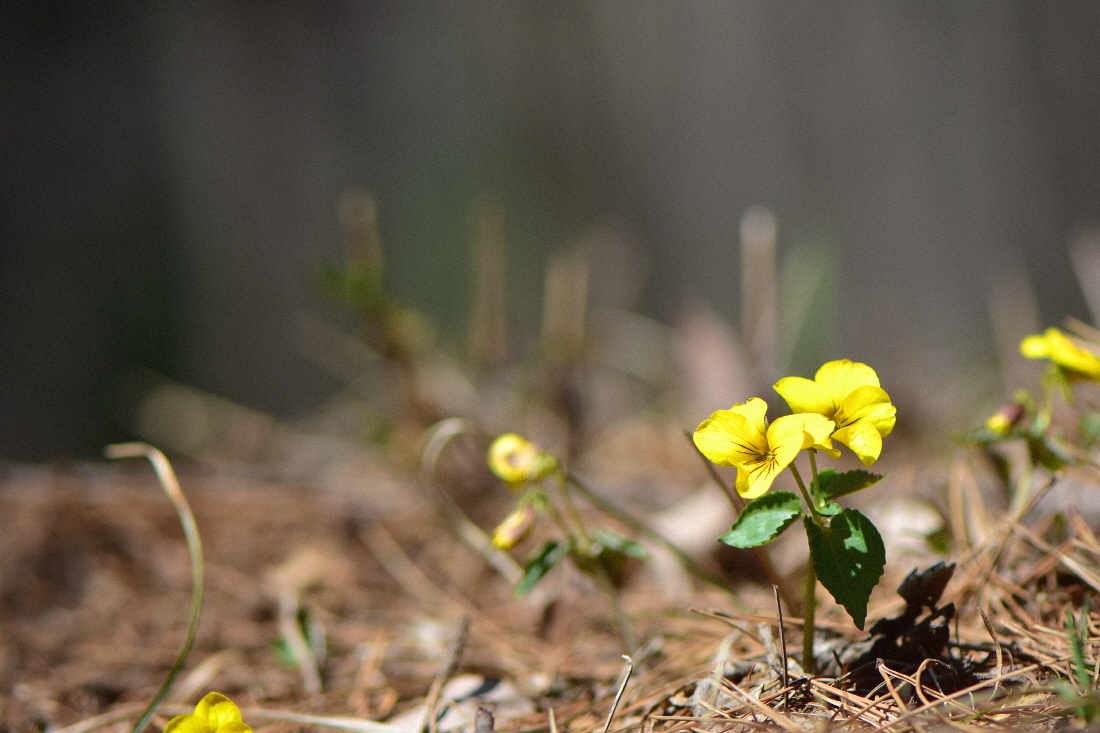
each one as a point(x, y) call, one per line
point(516, 460)
point(515, 528)
point(1005, 419)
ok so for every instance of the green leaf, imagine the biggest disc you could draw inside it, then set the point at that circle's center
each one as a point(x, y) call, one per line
point(1045, 452)
point(763, 519)
point(849, 558)
point(831, 485)
point(540, 564)
point(830, 510)
point(617, 543)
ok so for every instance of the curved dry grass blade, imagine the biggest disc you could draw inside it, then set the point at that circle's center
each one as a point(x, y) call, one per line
point(619, 695)
point(171, 486)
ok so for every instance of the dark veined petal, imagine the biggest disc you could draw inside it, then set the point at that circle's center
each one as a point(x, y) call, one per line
point(863, 438)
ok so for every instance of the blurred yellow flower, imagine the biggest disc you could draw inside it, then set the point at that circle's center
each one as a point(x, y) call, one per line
point(848, 393)
point(1056, 346)
point(742, 437)
point(215, 713)
point(516, 460)
point(515, 528)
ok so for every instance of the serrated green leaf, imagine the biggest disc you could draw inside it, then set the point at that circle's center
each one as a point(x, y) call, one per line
point(849, 558)
point(617, 543)
point(763, 519)
point(830, 510)
point(539, 564)
point(833, 485)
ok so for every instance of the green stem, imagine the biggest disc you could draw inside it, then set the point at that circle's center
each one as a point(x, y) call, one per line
point(571, 508)
point(686, 560)
point(171, 486)
point(607, 585)
point(809, 664)
point(809, 605)
point(810, 503)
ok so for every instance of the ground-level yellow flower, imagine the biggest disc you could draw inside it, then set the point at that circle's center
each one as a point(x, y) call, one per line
point(215, 713)
point(1056, 346)
point(848, 393)
point(516, 460)
point(742, 437)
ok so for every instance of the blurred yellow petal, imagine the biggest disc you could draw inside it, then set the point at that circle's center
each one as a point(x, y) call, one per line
point(1056, 346)
point(189, 723)
point(515, 528)
point(518, 461)
point(218, 709)
point(215, 713)
point(863, 438)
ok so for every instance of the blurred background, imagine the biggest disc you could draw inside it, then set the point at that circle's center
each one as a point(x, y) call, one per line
point(171, 174)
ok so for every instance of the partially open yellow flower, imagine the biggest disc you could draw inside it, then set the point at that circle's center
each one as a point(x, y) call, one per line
point(1056, 346)
point(742, 437)
point(215, 713)
point(516, 460)
point(848, 393)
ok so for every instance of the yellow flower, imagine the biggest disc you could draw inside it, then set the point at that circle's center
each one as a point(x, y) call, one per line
point(515, 528)
point(215, 713)
point(742, 437)
point(1057, 347)
point(848, 393)
point(516, 460)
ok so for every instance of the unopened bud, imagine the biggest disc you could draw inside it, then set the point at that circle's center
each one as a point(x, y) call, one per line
point(1005, 419)
point(515, 528)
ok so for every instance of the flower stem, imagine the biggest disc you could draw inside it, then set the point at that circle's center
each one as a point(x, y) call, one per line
point(809, 602)
point(809, 664)
point(562, 480)
point(810, 504)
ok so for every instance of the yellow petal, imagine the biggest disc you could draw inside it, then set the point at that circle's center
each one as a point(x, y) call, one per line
point(1067, 354)
point(1056, 346)
point(756, 410)
point(755, 480)
point(234, 726)
point(189, 723)
point(218, 710)
point(864, 440)
point(729, 437)
point(842, 376)
point(818, 428)
point(786, 437)
point(868, 403)
point(1035, 347)
point(805, 395)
